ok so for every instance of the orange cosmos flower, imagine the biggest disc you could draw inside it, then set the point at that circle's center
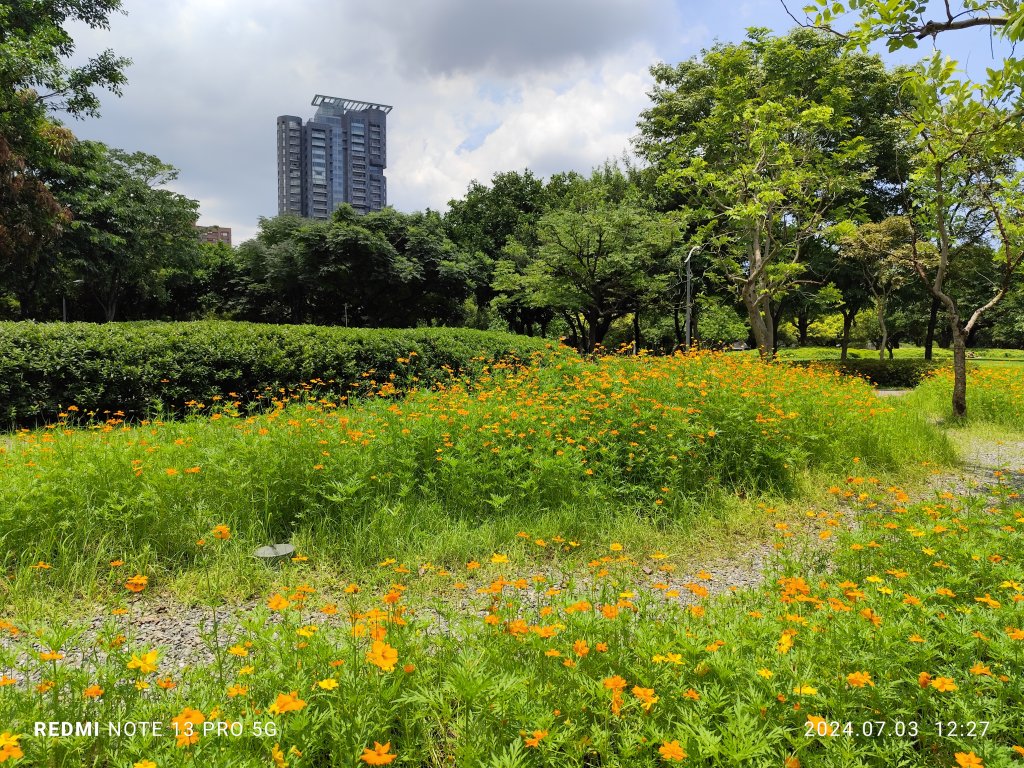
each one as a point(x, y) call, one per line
point(614, 683)
point(136, 583)
point(379, 755)
point(382, 655)
point(671, 751)
point(286, 702)
point(859, 679)
point(51, 656)
point(944, 684)
point(185, 726)
point(221, 532)
point(92, 692)
point(9, 748)
point(278, 602)
point(237, 690)
point(535, 739)
point(646, 696)
point(968, 760)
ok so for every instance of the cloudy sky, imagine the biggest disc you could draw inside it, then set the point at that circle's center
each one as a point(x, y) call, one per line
point(477, 86)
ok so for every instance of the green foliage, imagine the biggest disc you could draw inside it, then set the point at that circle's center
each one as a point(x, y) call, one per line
point(35, 75)
point(996, 394)
point(608, 437)
point(383, 269)
point(601, 255)
point(897, 374)
point(765, 153)
point(138, 370)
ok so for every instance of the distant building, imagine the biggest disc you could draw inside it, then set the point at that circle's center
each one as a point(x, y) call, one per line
point(338, 156)
point(214, 234)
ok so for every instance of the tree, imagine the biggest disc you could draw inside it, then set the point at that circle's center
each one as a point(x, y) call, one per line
point(766, 167)
point(125, 227)
point(598, 260)
point(880, 253)
point(903, 23)
point(384, 268)
point(482, 224)
point(35, 78)
point(965, 177)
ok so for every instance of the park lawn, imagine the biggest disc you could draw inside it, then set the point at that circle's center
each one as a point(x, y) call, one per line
point(980, 356)
point(476, 631)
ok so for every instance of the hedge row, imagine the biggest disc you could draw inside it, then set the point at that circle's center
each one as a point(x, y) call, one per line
point(134, 370)
point(881, 373)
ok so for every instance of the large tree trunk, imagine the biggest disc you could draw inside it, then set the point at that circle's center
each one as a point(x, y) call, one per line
point(803, 323)
point(760, 326)
point(636, 332)
point(676, 326)
point(776, 317)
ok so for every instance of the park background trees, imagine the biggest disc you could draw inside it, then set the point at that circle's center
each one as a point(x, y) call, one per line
point(774, 177)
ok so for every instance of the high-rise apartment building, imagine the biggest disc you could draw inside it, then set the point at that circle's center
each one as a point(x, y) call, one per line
point(338, 156)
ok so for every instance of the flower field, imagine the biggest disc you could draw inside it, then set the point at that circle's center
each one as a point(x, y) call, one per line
point(906, 652)
point(573, 442)
point(525, 633)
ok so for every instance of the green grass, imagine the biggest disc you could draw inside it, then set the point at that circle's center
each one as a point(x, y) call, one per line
point(647, 444)
point(995, 395)
point(911, 626)
point(981, 356)
point(510, 560)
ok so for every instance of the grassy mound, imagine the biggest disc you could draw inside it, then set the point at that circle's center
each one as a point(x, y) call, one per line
point(655, 438)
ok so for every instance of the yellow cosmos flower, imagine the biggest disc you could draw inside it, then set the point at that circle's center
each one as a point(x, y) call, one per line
point(146, 663)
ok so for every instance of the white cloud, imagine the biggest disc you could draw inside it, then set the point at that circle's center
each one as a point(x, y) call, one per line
point(477, 88)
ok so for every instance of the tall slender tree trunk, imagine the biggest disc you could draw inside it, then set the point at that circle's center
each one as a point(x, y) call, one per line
point(959, 371)
point(760, 326)
point(929, 339)
point(880, 309)
point(636, 332)
point(845, 340)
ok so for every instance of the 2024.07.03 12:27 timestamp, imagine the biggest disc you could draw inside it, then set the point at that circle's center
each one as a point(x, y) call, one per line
point(901, 729)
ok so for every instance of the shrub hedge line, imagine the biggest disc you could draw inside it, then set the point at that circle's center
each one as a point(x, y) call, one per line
point(881, 373)
point(134, 370)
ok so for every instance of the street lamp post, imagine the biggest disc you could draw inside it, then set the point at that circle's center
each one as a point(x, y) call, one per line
point(689, 300)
